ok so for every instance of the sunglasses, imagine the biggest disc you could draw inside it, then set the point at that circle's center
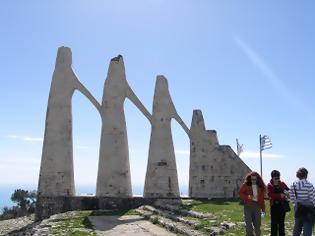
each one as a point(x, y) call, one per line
point(276, 178)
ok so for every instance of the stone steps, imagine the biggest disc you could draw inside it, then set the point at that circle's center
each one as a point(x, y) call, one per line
point(171, 215)
point(166, 222)
point(174, 218)
point(180, 210)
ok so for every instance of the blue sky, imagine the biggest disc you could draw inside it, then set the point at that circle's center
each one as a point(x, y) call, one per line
point(248, 65)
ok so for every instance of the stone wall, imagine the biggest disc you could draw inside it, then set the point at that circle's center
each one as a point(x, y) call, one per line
point(47, 206)
point(216, 171)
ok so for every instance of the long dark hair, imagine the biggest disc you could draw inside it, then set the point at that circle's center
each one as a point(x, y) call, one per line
point(248, 180)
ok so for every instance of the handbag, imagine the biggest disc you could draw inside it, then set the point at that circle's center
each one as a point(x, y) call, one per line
point(285, 206)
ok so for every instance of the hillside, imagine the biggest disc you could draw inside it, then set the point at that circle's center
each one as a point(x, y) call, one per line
point(191, 218)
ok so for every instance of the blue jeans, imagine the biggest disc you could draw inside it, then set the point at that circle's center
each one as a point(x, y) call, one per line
point(300, 224)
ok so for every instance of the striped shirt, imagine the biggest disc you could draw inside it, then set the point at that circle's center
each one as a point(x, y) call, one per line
point(305, 192)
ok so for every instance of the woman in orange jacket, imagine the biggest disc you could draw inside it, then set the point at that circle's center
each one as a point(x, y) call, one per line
point(252, 192)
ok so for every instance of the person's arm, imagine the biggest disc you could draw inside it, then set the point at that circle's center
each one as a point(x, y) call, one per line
point(243, 192)
point(285, 187)
point(262, 201)
point(292, 194)
point(312, 195)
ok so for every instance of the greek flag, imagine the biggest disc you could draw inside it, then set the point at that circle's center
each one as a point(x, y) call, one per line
point(239, 147)
point(265, 143)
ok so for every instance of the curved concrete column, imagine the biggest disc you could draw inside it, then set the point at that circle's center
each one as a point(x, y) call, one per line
point(161, 176)
point(56, 176)
point(113, 179)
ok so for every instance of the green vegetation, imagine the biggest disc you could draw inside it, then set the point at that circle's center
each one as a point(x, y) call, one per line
point(232, 211)
point(77, 223)
point(25, 201)
point(113, 212)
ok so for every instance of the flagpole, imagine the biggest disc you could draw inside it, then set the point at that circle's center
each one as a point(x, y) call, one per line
point(260, 152)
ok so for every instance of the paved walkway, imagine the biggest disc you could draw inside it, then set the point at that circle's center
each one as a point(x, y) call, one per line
point(131, 225)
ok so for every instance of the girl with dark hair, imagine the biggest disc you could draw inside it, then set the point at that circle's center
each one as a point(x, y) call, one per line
point(252, 192)
point(278, 200)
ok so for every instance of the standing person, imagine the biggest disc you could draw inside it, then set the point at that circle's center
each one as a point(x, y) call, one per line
point(252, 193)
point(277, 198)
point(302, 193)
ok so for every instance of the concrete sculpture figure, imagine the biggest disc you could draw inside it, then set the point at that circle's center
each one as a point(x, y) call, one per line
point(215, 170)
point(161, 176)
point(113, 179)
point(56, 176)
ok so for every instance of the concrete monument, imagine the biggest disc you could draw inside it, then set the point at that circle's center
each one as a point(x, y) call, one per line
point(56, 176)
point(113, 179)
point(215, 170)
point(161, 176)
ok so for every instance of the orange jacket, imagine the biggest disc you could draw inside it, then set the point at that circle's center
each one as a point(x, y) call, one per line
point(246, 190)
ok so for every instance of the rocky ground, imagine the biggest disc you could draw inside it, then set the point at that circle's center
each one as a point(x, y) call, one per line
point(163, 218)
point(16, 226)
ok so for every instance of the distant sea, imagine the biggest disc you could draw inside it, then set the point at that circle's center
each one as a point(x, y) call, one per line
point(7, 190)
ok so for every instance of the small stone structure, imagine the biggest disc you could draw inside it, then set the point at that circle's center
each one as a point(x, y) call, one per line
point(215, 170)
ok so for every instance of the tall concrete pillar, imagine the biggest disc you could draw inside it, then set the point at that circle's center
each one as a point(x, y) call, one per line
point(56, 176)
point(161, 176)
point(215, 170)
point(113, 179)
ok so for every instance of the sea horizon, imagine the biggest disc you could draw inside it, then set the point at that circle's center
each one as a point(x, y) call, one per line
point(81, 190)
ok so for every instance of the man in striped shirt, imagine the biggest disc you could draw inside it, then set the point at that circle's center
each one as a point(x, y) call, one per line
point(302, 192)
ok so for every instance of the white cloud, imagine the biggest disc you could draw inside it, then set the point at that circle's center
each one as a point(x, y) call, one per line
point(81, 147)
point(246, 154)
point(144, 152)
point(182, 152)
point(26, 138)
point(250, 154)
point(19, 169)
point(19, 160)
point(38, 139)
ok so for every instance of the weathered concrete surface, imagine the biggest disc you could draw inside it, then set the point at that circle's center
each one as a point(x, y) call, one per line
point(161, 176)
point(56, 176)
point(126, 225)
point(113, 179)
point(215, 170)
point(47, 206)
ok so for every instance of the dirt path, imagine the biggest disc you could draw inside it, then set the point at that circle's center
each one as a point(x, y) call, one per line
point(132, 225)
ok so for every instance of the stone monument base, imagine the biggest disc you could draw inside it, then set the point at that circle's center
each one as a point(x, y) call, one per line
point(47, 206)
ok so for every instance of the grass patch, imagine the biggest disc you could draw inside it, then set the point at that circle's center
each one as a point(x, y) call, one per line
point(232, 211)
point(75, 223)
point(113, 212)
